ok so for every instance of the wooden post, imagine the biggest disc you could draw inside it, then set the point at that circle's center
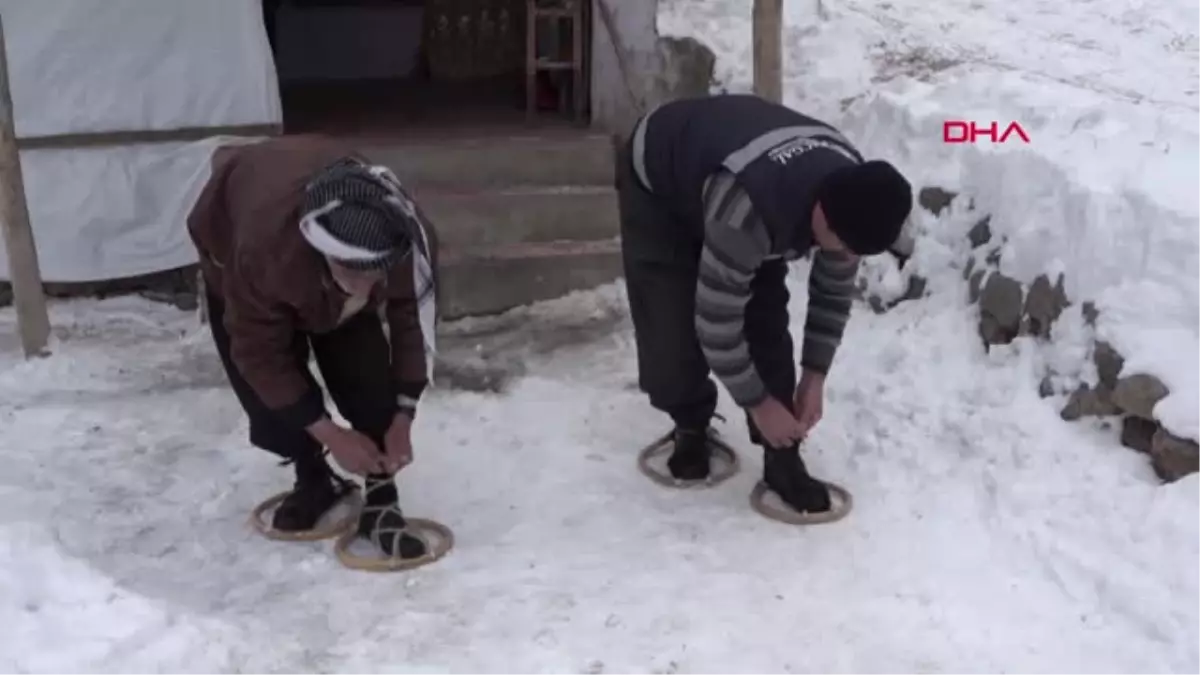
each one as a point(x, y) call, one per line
point(768, 49)
point(28, 294)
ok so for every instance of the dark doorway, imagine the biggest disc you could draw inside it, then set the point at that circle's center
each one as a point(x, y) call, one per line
point(386, 67)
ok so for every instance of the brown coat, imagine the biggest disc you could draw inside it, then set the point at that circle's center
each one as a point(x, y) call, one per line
point(245, 225)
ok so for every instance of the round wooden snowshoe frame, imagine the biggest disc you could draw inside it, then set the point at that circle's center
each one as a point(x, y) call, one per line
point(258, 519)
point(725, 463)
point(438, 540)
point(841, 504)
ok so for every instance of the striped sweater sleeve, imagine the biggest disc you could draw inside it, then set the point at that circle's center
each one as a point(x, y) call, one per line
point(830, 296)
point(735, 243)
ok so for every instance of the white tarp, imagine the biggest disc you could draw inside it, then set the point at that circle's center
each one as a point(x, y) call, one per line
point(121, 65)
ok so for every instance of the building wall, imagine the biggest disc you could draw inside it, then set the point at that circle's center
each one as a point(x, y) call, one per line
point(635, 22)
point(659, 68)
point(328, 42)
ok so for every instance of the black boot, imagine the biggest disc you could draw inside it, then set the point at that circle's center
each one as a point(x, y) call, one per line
point(784, 472)
point(690, 458)
point(317, 490)
point(382, 520)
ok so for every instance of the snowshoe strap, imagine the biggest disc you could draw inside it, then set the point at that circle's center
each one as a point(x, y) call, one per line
point(383, 515)
point(380, 529)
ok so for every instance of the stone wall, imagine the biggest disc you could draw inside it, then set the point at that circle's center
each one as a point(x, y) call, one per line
point(1008, 309)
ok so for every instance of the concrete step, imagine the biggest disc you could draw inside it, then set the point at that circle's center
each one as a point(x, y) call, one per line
point(491, 280)
point(517, 215)
point(491, 161)
point(522, 217)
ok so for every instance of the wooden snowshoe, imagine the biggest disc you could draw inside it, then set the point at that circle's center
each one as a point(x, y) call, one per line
point(391, 535)
point(724, 462)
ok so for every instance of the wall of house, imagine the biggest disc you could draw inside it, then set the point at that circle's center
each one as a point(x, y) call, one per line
point(382, 42)
point(635, 22)
point(659, 68)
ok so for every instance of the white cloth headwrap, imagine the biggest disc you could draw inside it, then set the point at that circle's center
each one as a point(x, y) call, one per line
point(423, 280)
point(323, 241)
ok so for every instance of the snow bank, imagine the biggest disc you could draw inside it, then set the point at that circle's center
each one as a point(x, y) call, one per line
point(1105, 191)
point(1104, 194)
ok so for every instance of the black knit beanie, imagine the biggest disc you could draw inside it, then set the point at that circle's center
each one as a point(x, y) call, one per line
point(866, 205)
point(359, 209)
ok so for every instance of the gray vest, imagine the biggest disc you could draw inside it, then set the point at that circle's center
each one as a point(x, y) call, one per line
point(780, 156)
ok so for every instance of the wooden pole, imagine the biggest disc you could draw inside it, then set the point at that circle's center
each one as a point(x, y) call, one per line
point(28, 295)
point(768, 49)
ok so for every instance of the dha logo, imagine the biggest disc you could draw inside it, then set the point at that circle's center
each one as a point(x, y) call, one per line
point(963, 131)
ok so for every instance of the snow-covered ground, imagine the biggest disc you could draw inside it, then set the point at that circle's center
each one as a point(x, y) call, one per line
point(988, 534)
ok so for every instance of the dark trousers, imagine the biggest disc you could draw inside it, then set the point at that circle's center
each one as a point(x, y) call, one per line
point(661, 256)
point(354, 363)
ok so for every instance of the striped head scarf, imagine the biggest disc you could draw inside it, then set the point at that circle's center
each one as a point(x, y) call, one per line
point(360, 216)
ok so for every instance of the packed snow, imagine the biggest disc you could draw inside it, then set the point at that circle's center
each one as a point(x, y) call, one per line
point(987, 535)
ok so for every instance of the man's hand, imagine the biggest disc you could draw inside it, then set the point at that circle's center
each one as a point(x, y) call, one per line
point(809, 401)
point(398, 443)
point(352, 450)
point(775, 423)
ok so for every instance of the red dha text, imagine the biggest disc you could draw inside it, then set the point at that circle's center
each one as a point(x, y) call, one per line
point(963, 131)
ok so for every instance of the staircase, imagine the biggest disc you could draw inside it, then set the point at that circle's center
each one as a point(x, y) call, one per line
point(522, 218)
